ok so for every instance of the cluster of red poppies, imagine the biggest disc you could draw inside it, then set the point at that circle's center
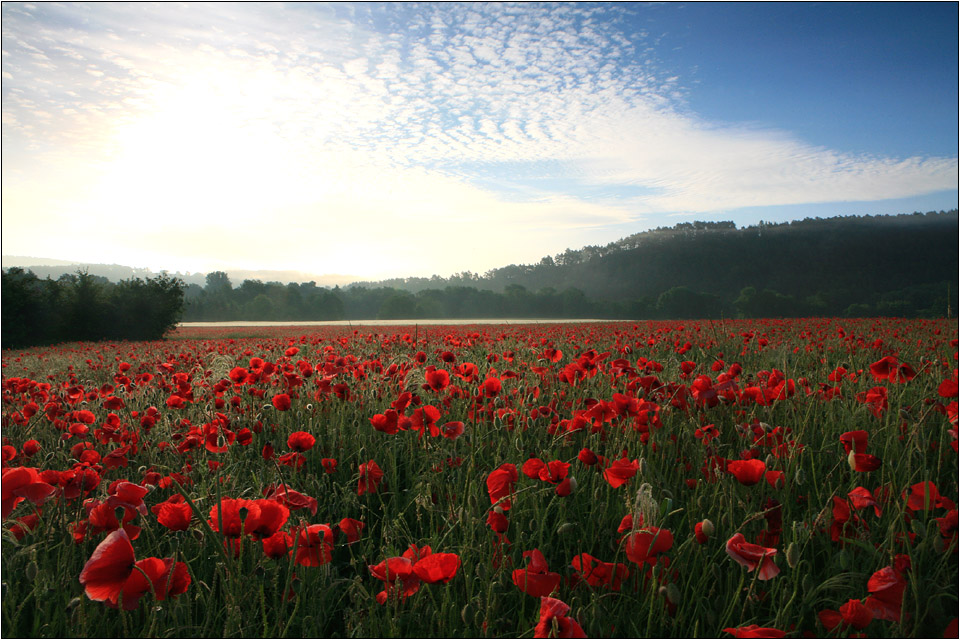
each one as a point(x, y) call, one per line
point(205, 419)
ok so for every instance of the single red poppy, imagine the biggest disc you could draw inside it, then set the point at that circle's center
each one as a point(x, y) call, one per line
point(500, 483)
point(370, 477)
point(852, 614)
point(301, 441)
point(173, 513)
point(107, 569)
point(620, 472)
point(753, 556)
point(437, 567)
point(643, 546)
point(598, 573)
point(553, 617)
point(747, 472)
point(351, 529)
point(536, 580)
point(281, 402)
point(314, 545)
point(452, 430)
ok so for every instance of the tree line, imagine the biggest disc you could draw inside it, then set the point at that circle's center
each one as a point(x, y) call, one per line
point(85, 307)
point(851, 266)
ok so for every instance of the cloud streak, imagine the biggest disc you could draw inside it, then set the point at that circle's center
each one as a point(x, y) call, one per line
point(389, 132)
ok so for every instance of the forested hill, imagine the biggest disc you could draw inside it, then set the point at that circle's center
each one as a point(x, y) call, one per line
point(809, 266)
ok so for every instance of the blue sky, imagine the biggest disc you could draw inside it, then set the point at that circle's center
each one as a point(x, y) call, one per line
point(416, 139)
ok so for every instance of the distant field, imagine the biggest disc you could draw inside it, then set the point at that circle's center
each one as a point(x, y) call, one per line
point(525, 479)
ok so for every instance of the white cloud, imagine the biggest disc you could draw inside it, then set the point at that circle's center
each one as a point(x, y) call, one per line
point(353, 133)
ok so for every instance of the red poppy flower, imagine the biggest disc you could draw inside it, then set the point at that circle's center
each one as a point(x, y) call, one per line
point(598, 573)
point(863, 462)
point(314, 545)
point(278, 545)
point(886, 588)
point(370, 477)
point(165, 579)
point(566, 487)
point(281, 402)
point(554, 471)
point(587, 457)
point(351, 529)
point(698, 531)
point(437, 379)
point(265, 519)
point(853, 614)
point(229, 512)
point(753, 556)
point(22, 483)
point(531, 468)
point(291, 499)
point(452, 430)
point(500, 483)
point(392, 571)
point(536, 580)
point(497, 521)
point(491, 387)
point(387, 422)
point(620, 472)
point(107, 570)
point(889, 368)
point(301, 441)
point(747, 472)
point(553, 615)
point(754, 631)
point(643, 546)
point(437, 567)
point(855, 441)
point(923, 496)
point(329, 465)
point(174, 513)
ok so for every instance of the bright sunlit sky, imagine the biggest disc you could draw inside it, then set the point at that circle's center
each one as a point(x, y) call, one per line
point(414, 139)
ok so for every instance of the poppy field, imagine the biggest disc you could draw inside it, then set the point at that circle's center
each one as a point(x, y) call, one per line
point(761, 478)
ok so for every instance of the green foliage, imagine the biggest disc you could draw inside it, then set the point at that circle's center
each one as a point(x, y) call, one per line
point(83, 307)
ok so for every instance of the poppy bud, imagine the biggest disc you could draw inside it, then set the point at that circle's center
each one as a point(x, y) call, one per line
point(708, 528)
point(642, 468)
point(464, 613)
point(939, 544)
point(563, 528)
point(770, 461)
point(31, 571)
point(793, 555)
point(852, 459)
point(800, 476)
point(73, 604)
point(673, 593)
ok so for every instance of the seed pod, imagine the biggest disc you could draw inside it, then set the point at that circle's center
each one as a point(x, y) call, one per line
point(673, 593)
point(793, 555)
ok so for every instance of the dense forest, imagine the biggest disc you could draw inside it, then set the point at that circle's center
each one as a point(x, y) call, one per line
point(86, 307)
point(902, 265)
